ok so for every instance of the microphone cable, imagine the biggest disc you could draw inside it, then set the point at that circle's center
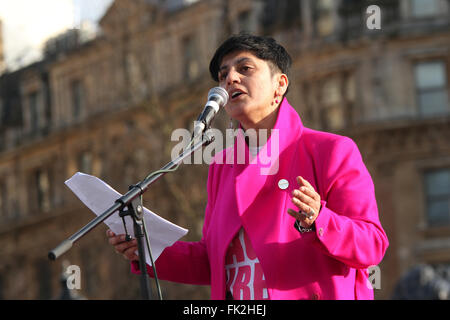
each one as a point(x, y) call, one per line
point(149, 249)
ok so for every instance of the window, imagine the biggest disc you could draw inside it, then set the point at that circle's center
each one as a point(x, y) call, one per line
point(191, 66)
point(44, 276)
point(292, 15)
point(431, 87)
point(34, 111)
point(324, 19)
point(43, 189)
point(177, 4)
point(1, 111)
point(332, 103)
point(424, 8)
point(3, 199)
point(90, 268)
point(2, 296)
point(437, 187)
point(85, 162)
point(281, 14)
point(77, 92)
point(244, 21)
point(330, 100)
point(2, 57)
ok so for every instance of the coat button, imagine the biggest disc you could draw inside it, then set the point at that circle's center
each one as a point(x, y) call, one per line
point(320, 231)
point(315, 296)
point(283, 184)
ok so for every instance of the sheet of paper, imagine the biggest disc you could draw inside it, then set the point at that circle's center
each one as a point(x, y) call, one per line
point(99, 196)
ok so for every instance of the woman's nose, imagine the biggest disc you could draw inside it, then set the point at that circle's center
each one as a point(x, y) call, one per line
point(233, 77)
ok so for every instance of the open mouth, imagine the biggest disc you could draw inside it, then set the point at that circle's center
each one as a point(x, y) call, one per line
point(236, 94)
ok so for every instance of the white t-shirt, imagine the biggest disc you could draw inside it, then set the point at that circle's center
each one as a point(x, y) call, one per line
point(245, 277)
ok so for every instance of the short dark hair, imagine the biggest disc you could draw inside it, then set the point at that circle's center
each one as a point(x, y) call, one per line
point(265, 48)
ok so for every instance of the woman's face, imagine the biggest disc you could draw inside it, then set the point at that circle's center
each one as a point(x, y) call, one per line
point(251, 86)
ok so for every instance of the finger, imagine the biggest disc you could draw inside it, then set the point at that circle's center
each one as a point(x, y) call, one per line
point(130, 253)
point(300, 205)
point(302, 217)
point(303, 182)
point(307, 210)
point(293, 213)
point(133, 258)
point(297, 215)
point(303, 197)
point(122, 247)
point(307, 188)
point(109, 233)
point(311, 193)
point(115, 240)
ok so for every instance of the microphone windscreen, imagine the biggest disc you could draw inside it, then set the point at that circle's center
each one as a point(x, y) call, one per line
point(218, 94)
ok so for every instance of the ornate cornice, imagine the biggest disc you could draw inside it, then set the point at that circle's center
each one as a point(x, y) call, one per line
point(393, 140)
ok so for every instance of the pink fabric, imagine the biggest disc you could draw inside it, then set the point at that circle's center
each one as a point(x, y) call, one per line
point(330, 263)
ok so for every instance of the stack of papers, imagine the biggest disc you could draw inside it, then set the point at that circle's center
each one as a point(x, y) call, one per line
point(99, 196)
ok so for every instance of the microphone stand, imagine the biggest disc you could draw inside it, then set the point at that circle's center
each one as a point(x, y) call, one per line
point(131, 204)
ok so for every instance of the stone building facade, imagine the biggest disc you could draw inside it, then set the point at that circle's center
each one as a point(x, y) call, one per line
point(108, 106)
point(2, 57)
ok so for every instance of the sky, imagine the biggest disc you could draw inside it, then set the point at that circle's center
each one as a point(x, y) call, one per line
point(27, 24)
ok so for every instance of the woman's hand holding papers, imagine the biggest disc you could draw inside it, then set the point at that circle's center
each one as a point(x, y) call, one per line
point(126, 248)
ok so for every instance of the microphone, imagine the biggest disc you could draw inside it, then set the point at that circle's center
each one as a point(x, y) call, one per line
point(217, 97)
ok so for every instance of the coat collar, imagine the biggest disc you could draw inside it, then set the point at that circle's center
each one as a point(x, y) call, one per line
point(272, 162)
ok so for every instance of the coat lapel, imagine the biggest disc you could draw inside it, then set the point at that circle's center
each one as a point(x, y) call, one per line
point(262, 174)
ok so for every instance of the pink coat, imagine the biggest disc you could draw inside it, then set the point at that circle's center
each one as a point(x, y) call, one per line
point(330, 263)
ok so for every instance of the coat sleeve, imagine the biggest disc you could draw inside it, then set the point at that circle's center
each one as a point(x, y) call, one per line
point(348, 227)
point(185, 262)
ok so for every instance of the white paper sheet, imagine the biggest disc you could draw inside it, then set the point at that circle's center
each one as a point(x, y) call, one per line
point(99, 196)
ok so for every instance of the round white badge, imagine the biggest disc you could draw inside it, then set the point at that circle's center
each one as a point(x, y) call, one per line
point(283, 184)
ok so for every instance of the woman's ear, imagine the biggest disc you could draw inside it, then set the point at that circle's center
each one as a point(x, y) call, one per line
point(283, 83)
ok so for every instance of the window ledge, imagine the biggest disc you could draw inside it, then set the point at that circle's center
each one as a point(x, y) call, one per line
point(436, 232)
point(434, 250)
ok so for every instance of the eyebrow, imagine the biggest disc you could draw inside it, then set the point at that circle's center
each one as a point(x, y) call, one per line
point(237, 62)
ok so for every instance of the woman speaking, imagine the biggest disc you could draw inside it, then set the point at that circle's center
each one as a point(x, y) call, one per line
point(308, 230)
